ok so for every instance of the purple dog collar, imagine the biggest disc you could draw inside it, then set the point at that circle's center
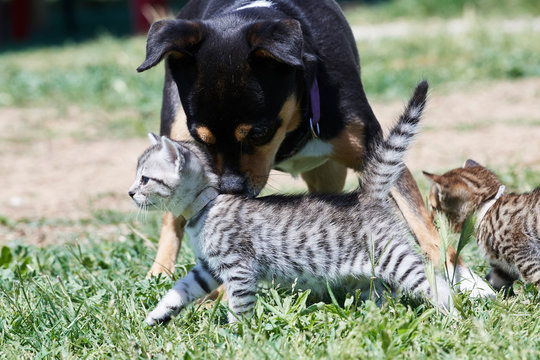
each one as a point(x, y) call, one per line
point(315, 101)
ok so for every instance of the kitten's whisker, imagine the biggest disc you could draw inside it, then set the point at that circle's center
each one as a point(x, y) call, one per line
point(273, 187)
point(163, 206)
point(134, 214)
point(137, 216)
point(144, 214)
point(279, 174)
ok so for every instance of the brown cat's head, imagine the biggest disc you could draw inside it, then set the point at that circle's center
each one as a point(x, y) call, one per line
point(460, 191)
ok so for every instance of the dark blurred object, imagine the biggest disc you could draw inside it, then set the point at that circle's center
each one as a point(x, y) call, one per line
point(20, 9)
point(145, 12)
point(48, 22)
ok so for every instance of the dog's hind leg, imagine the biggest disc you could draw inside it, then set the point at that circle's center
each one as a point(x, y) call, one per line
point(348, 149)
point(409, 200)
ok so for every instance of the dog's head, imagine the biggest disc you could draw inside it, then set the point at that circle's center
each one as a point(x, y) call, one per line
point(240, 84)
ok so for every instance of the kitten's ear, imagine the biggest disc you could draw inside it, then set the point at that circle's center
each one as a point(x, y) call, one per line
point(154, 139)
point(470, 163)
point(171, 151)
point(435, 192)
point(432, 177)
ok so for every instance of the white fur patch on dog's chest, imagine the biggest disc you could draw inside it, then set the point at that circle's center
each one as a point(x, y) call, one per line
point(315, 153)
point(257, 3)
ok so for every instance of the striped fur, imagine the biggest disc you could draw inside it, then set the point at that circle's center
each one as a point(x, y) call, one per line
point(384, 167)
point(509, 231)
point(310, 239)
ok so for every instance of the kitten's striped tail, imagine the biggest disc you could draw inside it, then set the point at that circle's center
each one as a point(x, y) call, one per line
point(384, 166)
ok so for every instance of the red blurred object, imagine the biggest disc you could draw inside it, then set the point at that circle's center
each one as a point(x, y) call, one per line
point(144, 12)
point(20, 19)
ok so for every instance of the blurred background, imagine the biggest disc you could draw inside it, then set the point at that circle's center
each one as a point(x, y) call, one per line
point(46, 22)
point(74, 112)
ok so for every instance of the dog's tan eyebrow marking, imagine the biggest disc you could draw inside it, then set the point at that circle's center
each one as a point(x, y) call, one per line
point(206, 135)
point(242, 131)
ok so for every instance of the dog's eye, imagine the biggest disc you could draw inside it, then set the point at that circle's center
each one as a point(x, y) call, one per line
point(261, 136)
point(258, 134)
point(144, 180)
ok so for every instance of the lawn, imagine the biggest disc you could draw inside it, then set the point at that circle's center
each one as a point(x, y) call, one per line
point(86, 296)
point(89, 301)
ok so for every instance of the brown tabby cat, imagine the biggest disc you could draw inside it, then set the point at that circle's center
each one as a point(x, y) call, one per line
point(507, 225)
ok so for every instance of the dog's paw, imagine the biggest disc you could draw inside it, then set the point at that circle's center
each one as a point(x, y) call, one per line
point(157, 269)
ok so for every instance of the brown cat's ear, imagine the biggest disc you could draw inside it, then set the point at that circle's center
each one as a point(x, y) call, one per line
point(432, 177)
point(470, 163)
point(434, 193)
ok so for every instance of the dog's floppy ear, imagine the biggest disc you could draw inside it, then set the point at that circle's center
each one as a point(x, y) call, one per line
point(280, 40)
point(171, 36)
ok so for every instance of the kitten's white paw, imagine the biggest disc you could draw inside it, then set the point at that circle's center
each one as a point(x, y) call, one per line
point(232, 318)
point(151, 320)
point(159, 315)
point(444, 295)
point(168, 306)
point(469, 281)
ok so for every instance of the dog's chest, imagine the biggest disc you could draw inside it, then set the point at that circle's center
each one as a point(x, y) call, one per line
point(315, 153)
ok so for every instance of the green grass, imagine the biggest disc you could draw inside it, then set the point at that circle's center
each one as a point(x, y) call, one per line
point(97, 76)
point(90, 300)
point(391, 67)
point(422, 9)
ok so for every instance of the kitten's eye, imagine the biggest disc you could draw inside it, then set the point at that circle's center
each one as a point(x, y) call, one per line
point(144, 180)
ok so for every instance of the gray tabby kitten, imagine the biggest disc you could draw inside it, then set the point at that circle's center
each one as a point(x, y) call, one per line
point(507, 225)
point(308, 238)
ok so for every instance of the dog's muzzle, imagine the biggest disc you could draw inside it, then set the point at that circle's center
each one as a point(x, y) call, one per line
point(231, 183)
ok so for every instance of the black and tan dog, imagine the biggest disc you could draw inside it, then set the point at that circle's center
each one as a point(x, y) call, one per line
point(271, 84)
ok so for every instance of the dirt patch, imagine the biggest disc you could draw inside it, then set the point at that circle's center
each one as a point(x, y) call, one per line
point(67, 178)
point(59, 177)
point(497, 124)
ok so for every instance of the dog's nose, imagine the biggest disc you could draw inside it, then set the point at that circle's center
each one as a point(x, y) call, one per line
point(232, 184)
point(131, 194)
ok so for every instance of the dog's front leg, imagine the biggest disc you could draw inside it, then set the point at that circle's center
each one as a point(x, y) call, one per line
point(197, 283)
point(174, 125)
point(170, 239)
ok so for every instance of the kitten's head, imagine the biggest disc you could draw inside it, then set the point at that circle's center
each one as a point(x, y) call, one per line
point(170, 175)
point(460, 191)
